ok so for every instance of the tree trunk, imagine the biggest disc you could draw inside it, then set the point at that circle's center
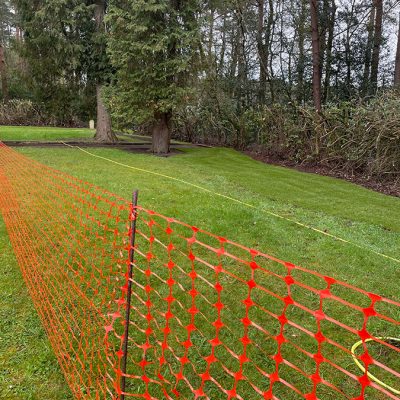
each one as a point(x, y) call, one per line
point(377, 45)
point(18, 34)
point(221, 64)
point(3, 73)
point(269, 43)
point(262, 56)
point(347, 58)
point(211, 57)
point(397, 64)
point(99, 13)
point(329, 47)
point(323, 31)
point(234, 54)
point(368, 51)
point(302, 59)
point(241, 62)
point(316, 55)
point(103, 129)
point(161, 133)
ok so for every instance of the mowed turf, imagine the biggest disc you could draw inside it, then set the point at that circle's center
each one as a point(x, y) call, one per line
point(368, 219)
point(37, 133)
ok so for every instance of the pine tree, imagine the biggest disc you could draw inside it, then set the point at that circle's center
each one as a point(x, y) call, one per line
point(102, 73)
point(153, 45)
point(64, 45)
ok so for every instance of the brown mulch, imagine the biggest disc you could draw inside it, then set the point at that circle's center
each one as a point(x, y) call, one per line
point(133, 147)
point(90, 143)
point(391, 188)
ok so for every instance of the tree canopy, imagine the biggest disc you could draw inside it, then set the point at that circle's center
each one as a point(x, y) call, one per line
point(154, 46)
point(169, 65)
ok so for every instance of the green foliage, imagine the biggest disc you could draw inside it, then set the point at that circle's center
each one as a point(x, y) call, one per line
point(61, 50)
point(153, 46)
point(7, 19)
point(353, 137)
point(156, 53)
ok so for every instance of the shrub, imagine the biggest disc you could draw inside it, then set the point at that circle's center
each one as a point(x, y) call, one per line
point(20, 112)
point(354, 137)
point(26, 112)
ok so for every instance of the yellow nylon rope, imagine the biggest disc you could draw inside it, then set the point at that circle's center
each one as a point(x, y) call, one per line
point(359, 365)
point(236, 201)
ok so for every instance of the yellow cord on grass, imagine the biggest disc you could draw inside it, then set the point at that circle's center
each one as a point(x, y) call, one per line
point(236, 201)
point(359, 365)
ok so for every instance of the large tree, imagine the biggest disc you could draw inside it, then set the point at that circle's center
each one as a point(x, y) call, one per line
point(102, 74)
point(252, 54)
point(153, 45)
point(378, 4)
point(368, 53)
point(64, 45)
point(316, 55)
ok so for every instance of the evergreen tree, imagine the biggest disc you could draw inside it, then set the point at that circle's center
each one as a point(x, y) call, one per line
point(64, 46)
point(153, 45)
point(101, 73)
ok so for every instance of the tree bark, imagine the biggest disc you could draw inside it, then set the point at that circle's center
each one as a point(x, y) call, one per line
point(302, 59)
point(269, 43)
point(329, 47)
point(3, 73)
point(99, 13)
point(315, 55)
point(262, 52)
point(103, 127)
point(18, 34)
point(242, 61)
point(368, 51)
point(263, 47)
point(323, 31)
point(397, 63)
point(211, 57)
point(234, 53)
point(377, 45)
point(161, 133)
point(347, 55)
point(221, 64)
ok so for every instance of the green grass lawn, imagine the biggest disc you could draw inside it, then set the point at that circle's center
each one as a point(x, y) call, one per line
point(44, 134)
point(369, 219)
point(53, 134)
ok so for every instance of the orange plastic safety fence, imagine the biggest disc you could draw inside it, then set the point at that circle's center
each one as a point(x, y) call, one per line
point(209, 318)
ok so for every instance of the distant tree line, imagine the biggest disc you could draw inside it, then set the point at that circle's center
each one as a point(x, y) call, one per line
point(211, 70)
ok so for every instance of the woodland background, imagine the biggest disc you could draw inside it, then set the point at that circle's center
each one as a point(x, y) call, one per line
point(306, 82)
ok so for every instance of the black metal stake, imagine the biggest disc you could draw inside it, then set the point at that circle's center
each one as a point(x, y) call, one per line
point(129, 293)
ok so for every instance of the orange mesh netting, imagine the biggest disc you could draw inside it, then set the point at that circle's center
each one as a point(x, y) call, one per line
point(208, 318)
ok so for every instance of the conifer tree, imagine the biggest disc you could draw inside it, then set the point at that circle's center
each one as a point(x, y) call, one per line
point(64, 45)
point(153, 45)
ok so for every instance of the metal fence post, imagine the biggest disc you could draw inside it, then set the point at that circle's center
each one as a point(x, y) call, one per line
point(129, 292)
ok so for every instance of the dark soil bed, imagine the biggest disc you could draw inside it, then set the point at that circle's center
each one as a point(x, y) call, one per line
point(134, 147)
